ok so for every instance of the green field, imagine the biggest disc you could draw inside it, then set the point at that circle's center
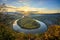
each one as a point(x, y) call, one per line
point(28, 23)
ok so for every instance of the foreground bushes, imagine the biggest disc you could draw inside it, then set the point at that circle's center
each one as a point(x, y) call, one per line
point(53, 33)
point(6, 33)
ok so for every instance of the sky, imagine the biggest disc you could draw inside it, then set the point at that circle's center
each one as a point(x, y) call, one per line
point(49, 4)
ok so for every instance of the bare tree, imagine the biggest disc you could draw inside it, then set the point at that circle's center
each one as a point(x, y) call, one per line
point(2, 11)
point(2, 8)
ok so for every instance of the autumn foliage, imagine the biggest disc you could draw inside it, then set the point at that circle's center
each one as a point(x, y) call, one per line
point(6, 33)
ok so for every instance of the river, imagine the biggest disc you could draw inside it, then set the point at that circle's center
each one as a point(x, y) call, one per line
point(41, 29)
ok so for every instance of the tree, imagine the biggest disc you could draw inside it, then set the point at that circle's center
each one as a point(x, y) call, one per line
point(2, 8)
point(6, 33)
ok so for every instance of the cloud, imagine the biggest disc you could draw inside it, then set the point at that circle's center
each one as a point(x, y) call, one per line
point(23, 0)
point(48, 11)
point(41, 3)
point(31, 2)
point(24, 8)
point(10, 6)
point(4, 0)
point(38, 10)
point(28, 8)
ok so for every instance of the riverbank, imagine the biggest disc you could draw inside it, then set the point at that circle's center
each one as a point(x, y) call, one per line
point(41, 29)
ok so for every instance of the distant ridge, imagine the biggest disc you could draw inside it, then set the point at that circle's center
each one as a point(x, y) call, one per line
point(45, 13)
point(52, 14)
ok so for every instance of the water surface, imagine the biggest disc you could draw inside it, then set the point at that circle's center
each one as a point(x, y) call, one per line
point(41, 29)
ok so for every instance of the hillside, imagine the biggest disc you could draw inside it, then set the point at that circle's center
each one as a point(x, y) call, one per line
point(6, 33)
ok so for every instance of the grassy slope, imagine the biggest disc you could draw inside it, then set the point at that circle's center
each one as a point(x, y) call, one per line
point(28, 23)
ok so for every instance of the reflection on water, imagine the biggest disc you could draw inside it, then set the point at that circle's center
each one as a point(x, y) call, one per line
point(41, 29)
